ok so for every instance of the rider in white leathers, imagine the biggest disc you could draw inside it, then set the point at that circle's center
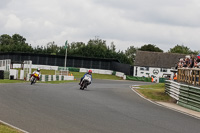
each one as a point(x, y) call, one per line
point(90, 73)
point(37, 72)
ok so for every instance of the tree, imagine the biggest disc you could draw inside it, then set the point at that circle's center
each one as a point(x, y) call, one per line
point(16, 43)
point(150, 47)
point(130, 53)
point(5, 39)
point(52, 48)
point(196, 52)
point(112, 47)
point(180, 49)
point(94, 48)
point(18, 39)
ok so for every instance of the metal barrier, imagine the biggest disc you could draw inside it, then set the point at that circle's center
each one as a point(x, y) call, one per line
point(186, 95)
point(189, 76)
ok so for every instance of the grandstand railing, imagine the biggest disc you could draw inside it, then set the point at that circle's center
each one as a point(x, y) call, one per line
point(189, 76)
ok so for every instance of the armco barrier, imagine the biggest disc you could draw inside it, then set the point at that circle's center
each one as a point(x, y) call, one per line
point(99, 71)
point(186, 95)
point(72, 69)
point(1, 74)
point(119, 74)
point(108, 72)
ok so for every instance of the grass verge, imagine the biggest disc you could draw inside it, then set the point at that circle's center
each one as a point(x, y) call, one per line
point(48, 82)
point(96, 76)
point(11, 81)
point(7, 129)
point(155, 92)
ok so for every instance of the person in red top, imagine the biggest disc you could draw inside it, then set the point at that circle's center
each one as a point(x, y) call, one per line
point(152, 79)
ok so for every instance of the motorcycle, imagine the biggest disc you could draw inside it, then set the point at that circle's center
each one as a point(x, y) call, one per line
point(85, 82)
point(34, 77)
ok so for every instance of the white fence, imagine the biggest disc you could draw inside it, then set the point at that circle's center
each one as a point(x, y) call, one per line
point(46, 67)
point(99, 71)
point(5, 64)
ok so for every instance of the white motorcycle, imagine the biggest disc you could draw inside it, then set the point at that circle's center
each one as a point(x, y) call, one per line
point(85, 82)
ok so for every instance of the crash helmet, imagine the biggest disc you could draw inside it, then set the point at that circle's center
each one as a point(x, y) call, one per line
point(90, 71)
point(38, 69)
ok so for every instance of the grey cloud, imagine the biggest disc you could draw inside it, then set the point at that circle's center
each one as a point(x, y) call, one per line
point(179, 12)
point(4, 3)
point(163, 23)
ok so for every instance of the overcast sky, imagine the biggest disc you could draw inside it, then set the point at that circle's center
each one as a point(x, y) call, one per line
point(164, 23)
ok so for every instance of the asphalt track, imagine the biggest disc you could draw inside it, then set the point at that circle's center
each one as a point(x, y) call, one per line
point(105, 107)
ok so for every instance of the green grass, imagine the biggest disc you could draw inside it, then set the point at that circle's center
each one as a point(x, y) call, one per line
point(11, 81)
point(154, 86)
point(6, 129)
point(155, 92)
point(96, 76)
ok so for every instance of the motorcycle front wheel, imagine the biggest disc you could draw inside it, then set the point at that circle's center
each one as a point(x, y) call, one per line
point(32, 80)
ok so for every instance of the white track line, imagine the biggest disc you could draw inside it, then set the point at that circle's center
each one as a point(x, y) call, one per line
point(163, 105)
point(13, 127)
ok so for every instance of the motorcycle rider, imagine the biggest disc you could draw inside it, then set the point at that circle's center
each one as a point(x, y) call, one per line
point(90, 73)
point(37, 72)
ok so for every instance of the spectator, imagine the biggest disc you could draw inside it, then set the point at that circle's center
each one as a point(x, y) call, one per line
point(191, 64)
point(187, 60)
point(184, 64)
point(181, 61)
point(175, 77)
point(152, 79)
point(197, 63)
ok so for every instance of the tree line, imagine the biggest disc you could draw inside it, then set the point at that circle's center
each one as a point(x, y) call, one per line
point(96, 48)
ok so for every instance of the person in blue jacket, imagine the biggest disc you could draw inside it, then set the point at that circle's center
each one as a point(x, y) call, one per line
point(90, 73)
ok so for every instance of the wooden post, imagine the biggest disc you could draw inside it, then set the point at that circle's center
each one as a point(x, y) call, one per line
point(195, 76)
point(178, 75)
point(199, 77)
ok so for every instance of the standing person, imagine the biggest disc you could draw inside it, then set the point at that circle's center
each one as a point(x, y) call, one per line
point(191, 64)
point(175, 77)
point(180, 64)
point(152, 79)
point(187, 60)
point(197, 63)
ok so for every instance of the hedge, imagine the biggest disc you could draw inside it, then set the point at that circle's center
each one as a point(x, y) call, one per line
point(138, 78)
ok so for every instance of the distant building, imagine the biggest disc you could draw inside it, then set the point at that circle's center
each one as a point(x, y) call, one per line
point(155, 63)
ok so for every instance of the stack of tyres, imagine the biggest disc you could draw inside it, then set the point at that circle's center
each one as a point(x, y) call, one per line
point(1, 74)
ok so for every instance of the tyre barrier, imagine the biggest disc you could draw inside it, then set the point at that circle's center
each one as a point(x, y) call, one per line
point(186, 95)
point(45, 78)
point(1, 74)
